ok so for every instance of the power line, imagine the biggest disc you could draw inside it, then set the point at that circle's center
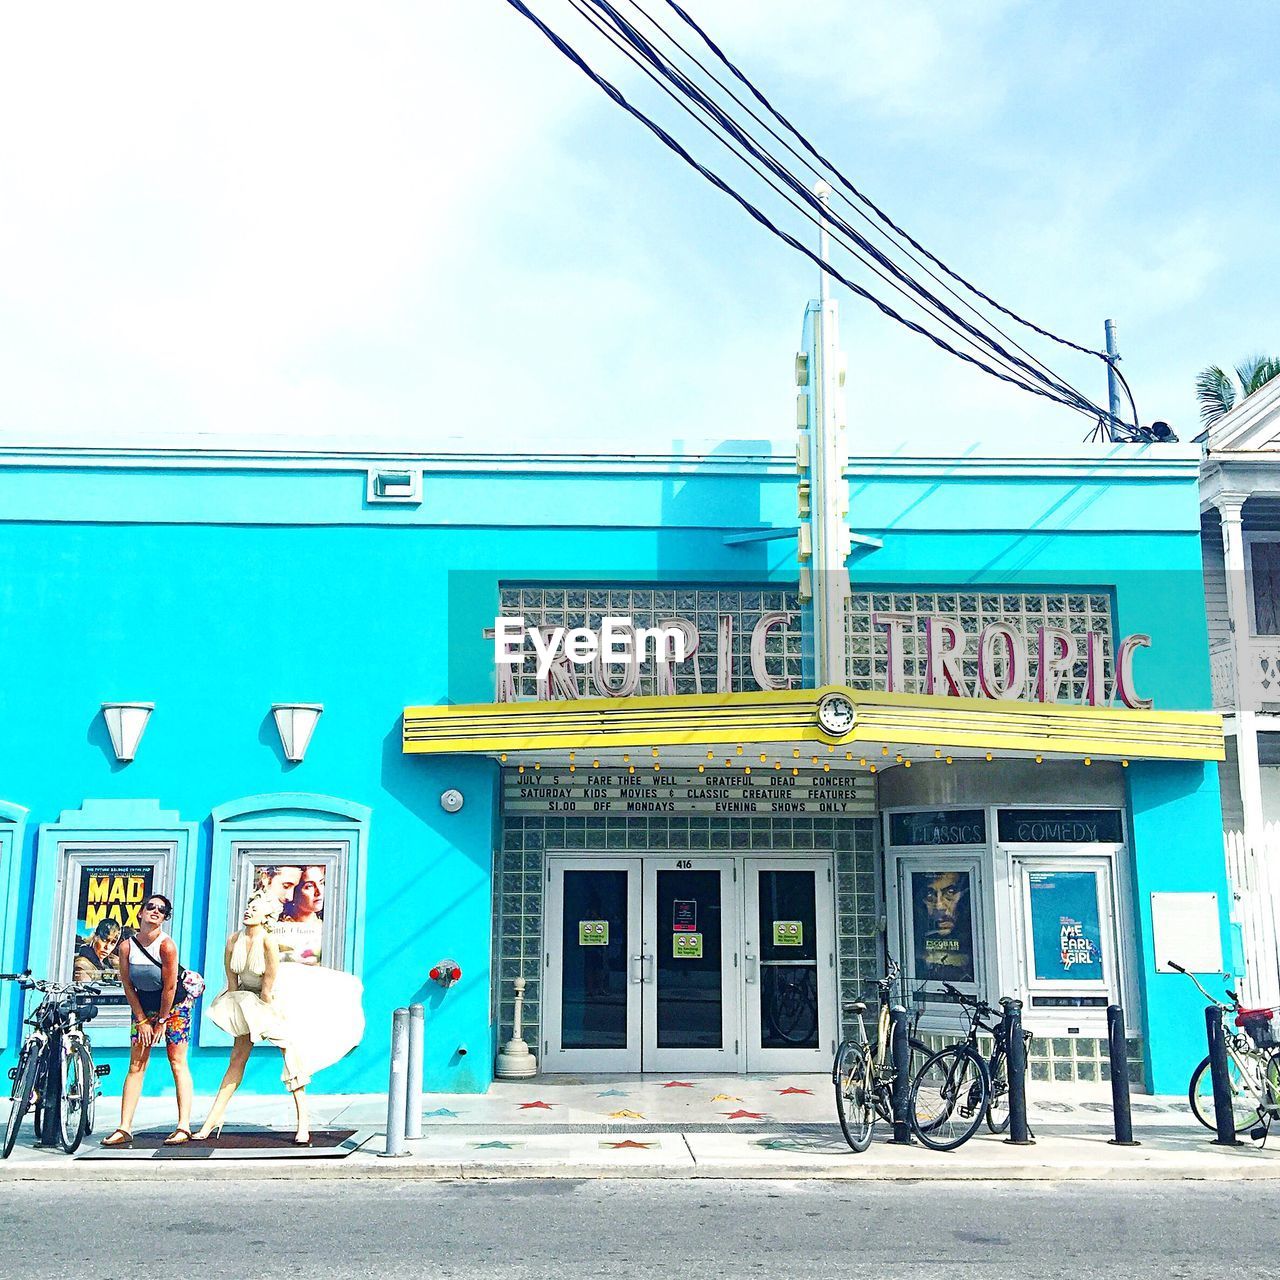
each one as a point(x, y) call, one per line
point(880, 213)
point(894, 238)
point(977, 338)
point(671, 143)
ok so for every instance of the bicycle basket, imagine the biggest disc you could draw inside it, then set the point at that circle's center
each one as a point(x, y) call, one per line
point(1259, 1025)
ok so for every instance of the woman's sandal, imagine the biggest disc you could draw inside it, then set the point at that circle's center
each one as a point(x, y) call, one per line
point(125, 1139)
point(173, 1140)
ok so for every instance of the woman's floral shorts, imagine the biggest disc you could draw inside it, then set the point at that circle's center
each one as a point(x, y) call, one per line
point(177, 1030)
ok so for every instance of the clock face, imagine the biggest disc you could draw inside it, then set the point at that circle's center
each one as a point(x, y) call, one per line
point(836, 714)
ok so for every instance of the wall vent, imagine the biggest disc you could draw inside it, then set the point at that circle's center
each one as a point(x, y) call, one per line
point(394, 484)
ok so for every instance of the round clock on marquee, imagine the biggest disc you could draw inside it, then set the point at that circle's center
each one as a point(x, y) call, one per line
point(836, 714)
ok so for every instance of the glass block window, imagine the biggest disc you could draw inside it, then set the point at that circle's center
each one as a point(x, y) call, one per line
point(704, 608)
point(867, 646)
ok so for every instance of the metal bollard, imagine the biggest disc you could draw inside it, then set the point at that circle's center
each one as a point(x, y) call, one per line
point(396, 1084)
point(900, 1051)
point(413, 1093)
point(1019, 1129)
point(1223, 1113)
point(1121, 1116)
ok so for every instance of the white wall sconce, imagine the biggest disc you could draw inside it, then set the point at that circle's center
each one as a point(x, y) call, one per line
point(126, 722)
point(296, 722)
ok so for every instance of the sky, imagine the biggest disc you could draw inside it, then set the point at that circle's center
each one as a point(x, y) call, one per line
point(416, 224)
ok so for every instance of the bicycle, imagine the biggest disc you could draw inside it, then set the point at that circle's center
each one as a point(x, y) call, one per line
point(863, 1073)
point(792, 1013)
point(1253, 1067)
point(957, 1088)
point(55, 1074)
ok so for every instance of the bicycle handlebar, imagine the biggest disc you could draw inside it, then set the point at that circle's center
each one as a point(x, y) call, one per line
point(1177, 968)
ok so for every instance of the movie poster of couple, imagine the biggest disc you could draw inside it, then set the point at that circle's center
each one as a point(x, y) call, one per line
point(299, 888)
point(942, 926)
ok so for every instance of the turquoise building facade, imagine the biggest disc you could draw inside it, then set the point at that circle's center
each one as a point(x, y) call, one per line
point(218, 586)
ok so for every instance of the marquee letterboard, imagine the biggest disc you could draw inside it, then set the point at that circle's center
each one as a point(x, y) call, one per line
point(615, 792)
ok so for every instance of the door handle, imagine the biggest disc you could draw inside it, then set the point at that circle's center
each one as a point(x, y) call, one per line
point(647, 959)
point(755, 968)
point(637, 976)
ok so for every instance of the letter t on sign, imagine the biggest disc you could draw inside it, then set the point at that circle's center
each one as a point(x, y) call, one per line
point(895, 625)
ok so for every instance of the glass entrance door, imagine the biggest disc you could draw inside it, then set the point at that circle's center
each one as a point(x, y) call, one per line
point(789, 976)
point(691, 986)
point(595, 965)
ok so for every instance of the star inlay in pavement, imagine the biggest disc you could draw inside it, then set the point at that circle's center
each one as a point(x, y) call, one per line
point(613, 1093)
point(628, 1145)
point(625, 1115)
point(536, 1106)
point(779, 1144)
point(744, 1115)
point(678, 1084)
point(793, 1089)
point(495, 1145)
point(441, 1111)
point(725, 1097)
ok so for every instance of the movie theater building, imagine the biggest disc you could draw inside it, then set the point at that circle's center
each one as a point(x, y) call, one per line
point(382, 685)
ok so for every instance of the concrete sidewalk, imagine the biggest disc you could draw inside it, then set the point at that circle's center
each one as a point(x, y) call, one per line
point(692, 1127)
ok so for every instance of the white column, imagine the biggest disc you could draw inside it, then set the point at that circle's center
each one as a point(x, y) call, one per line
point(1230, 506)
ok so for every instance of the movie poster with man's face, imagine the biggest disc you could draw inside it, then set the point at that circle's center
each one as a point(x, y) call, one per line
point(299, 889)
point(942, 923)
point(108, 911)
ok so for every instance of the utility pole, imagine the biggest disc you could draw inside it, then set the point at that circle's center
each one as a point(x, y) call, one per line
point(822, 458)
point(1113, 386)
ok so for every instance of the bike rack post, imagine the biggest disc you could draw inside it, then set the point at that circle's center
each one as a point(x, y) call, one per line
point(1016, 1047)
point(413, 1093)
point(1223, 1115)
point(901, 1054)
point(396, 1085)
point(1121, 1115)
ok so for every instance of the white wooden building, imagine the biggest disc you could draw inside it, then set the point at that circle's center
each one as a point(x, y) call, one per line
point(1240, 504)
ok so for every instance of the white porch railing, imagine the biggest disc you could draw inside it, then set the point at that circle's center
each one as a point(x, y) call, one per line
point(1253, 876)
point(1259, 684)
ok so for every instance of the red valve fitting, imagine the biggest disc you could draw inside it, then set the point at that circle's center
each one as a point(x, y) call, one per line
point(446, 973)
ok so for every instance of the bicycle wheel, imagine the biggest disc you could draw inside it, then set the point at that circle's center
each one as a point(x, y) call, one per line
point(854, 1075)
point(1244, 1097)
point(949, 1097)
point(793, 1009)
point(24, 1083)
point(998, 1101)
point(918, 1052)
point(76, 1080)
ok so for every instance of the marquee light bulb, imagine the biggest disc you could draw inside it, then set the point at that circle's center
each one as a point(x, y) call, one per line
point(862, 760)
point(573, 768)
point(631, 768)
point(826, 768)
point(1087, 760)
point(988, 755)
point(1124, 764)
point(522, 768)
point(656, 766)
point(626, 759)
point(873, 768)
point(884, 751)
point(1039, 759)
point(595, 764)
point(728, 763)
point(777, 764)
point(654, 750)
point(702, 768)
point(711, 755)
point(937, 753)
point(815, 760)
point(537, 767)
point(503, 757)
point(948, 759)
point(738, 749)
point(762, 757)
point(796, 752)
point(747, 769)
point(848, 755)
point(906, 764)
point(573, 755)
point(795, 773)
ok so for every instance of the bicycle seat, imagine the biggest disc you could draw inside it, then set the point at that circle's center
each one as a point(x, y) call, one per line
point(857, 1006)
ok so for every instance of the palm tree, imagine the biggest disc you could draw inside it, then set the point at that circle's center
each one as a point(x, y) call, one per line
point(1217, 393)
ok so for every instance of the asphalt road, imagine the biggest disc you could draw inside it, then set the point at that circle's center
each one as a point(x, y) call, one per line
point(614, 1229)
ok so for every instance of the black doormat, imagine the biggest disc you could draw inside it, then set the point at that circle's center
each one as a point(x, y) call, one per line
point(241, 1143)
